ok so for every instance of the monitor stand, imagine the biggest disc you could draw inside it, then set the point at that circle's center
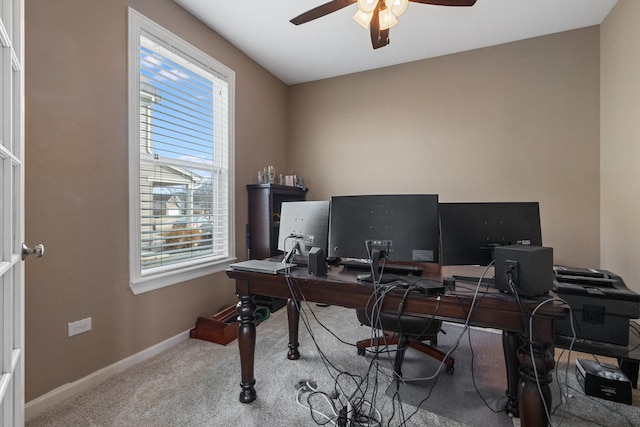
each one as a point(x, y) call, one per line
point(375, 277)
point(292, 252)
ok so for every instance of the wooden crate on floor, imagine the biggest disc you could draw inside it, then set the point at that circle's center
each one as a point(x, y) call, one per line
point(221, 328)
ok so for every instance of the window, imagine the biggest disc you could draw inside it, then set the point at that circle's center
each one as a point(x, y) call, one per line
point(180, 159)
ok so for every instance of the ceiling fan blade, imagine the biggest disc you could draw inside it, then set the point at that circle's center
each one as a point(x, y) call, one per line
point(322, 10)
point(379, 38)
point(446, 2)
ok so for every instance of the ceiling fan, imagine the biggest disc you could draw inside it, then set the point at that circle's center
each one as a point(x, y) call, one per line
point(377, 15)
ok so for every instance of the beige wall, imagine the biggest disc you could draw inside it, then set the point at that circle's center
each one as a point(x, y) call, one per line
point(517, 122)
point(620, 142)
point(76, 184)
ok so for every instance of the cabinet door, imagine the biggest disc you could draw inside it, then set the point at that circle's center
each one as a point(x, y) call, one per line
point(259, 224)
point(265, 204)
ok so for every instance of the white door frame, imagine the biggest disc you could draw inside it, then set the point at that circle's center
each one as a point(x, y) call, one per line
point(11, 212)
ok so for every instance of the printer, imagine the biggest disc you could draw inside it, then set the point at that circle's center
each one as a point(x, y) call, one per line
point(601, 304)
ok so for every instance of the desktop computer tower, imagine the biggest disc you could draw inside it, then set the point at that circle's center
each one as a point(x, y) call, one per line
point(531, 269)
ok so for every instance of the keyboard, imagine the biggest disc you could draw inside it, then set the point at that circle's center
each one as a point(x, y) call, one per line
point(473, 279)
point(399, 269)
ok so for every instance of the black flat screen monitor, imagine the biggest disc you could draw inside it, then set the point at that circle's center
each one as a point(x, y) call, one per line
point(400, 227)
point(303, 225)
point(471, 231)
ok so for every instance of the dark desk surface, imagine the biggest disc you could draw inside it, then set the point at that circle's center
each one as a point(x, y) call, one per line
point(493, 309)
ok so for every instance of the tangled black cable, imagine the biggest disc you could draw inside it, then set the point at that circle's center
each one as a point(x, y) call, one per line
point(356, 400)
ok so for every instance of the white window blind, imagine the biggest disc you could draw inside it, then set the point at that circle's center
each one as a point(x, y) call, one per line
point(183, 156)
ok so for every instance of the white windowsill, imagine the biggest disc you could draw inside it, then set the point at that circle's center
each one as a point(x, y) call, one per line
point(151, 283)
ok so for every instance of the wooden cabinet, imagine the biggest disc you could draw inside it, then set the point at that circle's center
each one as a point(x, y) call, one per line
point(265, 202)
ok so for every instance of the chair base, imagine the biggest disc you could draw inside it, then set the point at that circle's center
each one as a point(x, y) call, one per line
point(402, 342)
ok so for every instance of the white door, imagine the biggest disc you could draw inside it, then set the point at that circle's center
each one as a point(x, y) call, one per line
point(11, 213)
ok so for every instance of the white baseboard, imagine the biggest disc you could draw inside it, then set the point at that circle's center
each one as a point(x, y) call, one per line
point(55, 396)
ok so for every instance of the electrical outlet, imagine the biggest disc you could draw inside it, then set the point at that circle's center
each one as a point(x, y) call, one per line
point(80, 326)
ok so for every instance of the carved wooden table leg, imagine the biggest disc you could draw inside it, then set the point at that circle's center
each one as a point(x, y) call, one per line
point(531, 403)
point(511, 341)
point(247, 346)
point(293, 315)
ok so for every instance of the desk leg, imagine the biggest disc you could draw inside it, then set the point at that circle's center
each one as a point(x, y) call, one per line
point(247, 346)
point(293, 315)
point(531, 404)
point(511, 341)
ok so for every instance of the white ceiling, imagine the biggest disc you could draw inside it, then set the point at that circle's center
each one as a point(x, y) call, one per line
point(335, 44)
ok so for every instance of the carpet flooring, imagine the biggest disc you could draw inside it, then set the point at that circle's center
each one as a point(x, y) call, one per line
point(479, 396)
point(196, 384)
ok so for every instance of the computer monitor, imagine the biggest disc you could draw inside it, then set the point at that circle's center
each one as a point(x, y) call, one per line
point(471, 231)
point(395, 227)
point(303, 225)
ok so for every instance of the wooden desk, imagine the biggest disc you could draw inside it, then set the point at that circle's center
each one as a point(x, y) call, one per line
point(493, 310)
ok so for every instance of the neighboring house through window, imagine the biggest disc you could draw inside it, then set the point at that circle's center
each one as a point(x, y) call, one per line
point(180, 159)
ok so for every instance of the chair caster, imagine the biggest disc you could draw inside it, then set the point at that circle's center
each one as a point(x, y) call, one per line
point(361, 351)
point(450, 369)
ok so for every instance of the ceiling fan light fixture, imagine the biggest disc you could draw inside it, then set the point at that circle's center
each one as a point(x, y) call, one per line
point(363, 18)
point(387, 19)
point(385, 13)
point(367, 6)
point(397, 7)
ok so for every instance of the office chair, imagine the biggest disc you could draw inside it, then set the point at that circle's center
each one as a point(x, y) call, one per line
point(409, 332)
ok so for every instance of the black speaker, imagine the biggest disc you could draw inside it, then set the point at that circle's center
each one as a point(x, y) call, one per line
point(530, 267)
point(317, 262)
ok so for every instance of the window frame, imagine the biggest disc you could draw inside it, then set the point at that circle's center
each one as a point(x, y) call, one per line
point(138, 281)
